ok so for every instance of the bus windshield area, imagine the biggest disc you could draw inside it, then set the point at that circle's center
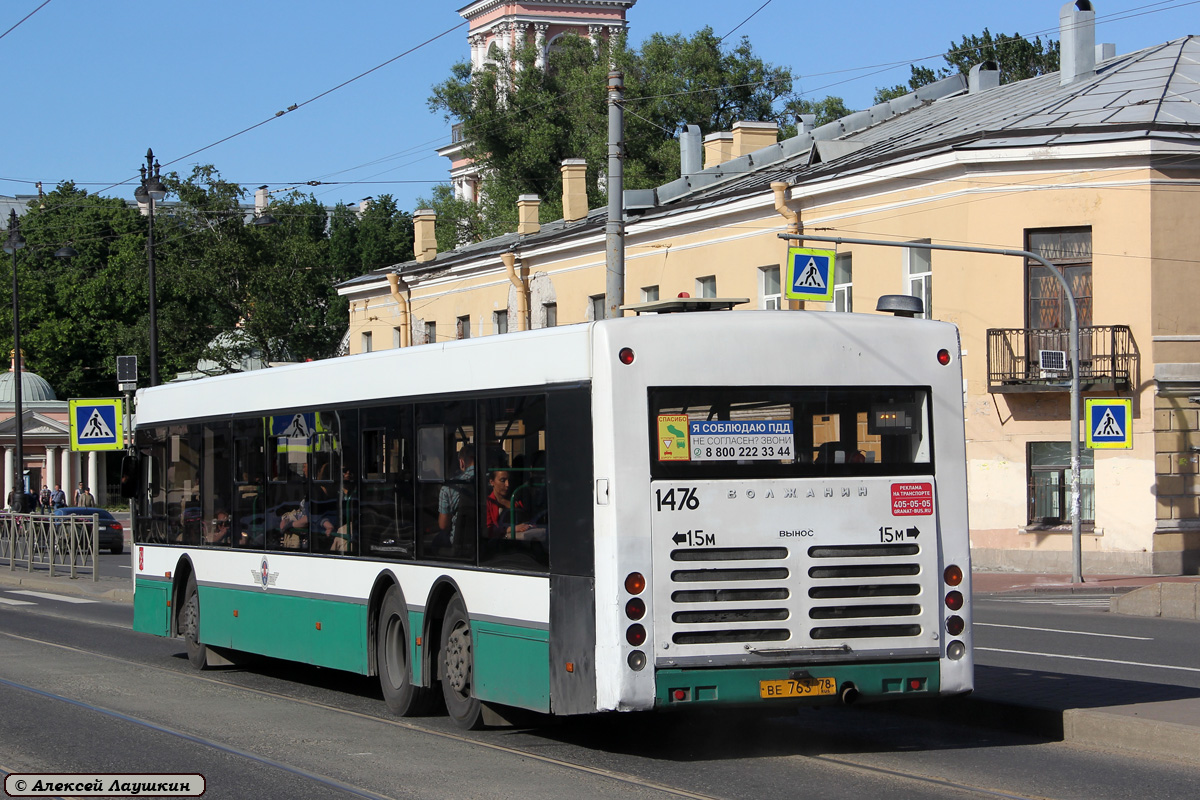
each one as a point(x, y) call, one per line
point(781, 432)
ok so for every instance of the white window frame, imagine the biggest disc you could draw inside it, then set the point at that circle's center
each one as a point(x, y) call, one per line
point(703, 285)
point(596, 306)
point(919, 284)
point(462, 327)
point(500, 321)
point(843, 292)
point(649, 294)
point(366, 341)
point(768, 299)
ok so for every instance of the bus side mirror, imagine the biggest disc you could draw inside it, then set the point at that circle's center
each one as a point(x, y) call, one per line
point(129, 477)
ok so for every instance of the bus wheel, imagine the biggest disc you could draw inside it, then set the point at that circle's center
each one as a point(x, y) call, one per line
point(189, 625)
point(391, 659)
point(458, 668)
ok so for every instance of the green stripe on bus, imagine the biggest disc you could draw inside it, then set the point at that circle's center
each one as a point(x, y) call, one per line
point(327, 633)
point(512, 665)
point(733, 685)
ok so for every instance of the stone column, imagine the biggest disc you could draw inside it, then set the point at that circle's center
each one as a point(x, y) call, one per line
point(8, 475)
point(539, 41)
point(92, 481)
point(520, 32)
point(594, 33)
point(51, 466)
point(65, 479)
point(478, 50)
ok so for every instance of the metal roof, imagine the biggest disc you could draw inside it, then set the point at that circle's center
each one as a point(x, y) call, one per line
point(1151, 92)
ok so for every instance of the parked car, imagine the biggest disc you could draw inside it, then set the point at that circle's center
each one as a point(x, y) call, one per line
point(112, 534)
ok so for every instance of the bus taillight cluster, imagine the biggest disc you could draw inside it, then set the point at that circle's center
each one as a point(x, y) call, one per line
point(955, 624)
point(635, 609)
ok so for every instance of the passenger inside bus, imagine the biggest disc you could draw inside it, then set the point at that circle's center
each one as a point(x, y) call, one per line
point(456, 504)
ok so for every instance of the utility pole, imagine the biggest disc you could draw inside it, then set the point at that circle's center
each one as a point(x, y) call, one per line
point(614, 231)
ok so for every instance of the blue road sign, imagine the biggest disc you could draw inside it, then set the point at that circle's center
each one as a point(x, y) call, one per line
point(97, 424)
point(809, 274)
point(1108, 423)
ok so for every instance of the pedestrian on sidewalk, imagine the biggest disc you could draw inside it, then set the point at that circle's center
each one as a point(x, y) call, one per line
point(58, 498)
point(87, 500)
point(78, 498)
point(44, 500)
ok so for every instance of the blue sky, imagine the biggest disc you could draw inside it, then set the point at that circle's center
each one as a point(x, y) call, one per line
point(90, 85)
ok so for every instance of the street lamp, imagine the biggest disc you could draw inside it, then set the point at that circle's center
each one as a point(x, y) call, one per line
point(12, 244)
point(150, 191)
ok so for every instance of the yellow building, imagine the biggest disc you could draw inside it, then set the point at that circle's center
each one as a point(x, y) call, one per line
point(1096, 169)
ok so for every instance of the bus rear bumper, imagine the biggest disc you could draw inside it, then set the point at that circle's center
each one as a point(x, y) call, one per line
point(811, 685)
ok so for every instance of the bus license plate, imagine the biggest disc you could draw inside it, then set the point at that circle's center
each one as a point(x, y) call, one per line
point(803, 687)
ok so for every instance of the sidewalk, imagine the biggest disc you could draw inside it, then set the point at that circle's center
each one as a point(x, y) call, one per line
point(1152, 718)
point(1145, 718)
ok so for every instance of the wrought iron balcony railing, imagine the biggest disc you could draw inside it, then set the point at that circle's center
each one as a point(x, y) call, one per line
point(1039, 359)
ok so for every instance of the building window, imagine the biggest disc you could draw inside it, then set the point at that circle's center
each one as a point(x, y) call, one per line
point(1069, 249)
point(462, 327)
point(649, 294)
point(768, 287)
point(918, 277)
point(598, 306)
point(707, 286)
point(1049, 480)
point(843, 283)
point(500, 321)
point(396, 337)
point(430, 332)
point(550, 310)
point(366, 342)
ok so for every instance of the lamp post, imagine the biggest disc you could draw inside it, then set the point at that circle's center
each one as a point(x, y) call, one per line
point(150, 191)
point(12, 244)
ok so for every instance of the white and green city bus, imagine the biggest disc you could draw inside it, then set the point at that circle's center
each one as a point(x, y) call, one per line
point(664, 511)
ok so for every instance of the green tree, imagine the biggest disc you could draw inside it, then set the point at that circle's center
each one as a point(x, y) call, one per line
point(520, 122)
point(827, 109)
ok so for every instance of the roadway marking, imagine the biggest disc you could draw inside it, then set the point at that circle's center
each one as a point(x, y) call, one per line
point(48, 596)
point(1089, 658)
point(1059, 630)
point(1101, 601)
point(8, 601)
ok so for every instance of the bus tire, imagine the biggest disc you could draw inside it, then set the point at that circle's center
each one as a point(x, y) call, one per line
point(189, 625)
point(457, 668)
point(392, 662)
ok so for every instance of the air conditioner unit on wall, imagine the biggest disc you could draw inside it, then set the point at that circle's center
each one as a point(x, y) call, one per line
point(1052, 363)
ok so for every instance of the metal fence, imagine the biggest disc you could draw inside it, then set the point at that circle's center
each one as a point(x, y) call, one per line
point(61, 544)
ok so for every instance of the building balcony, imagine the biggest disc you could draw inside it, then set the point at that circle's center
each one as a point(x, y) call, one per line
point(1039, 359)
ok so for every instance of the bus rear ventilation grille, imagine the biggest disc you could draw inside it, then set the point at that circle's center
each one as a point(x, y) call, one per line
point(726, 616)
point(730, 637)
point(865, 590)
point(730, 554)
point(704, 575)
point(862, 550)
point(865, 631)
point(729, 595)
point(859, 612)
point(864, 571)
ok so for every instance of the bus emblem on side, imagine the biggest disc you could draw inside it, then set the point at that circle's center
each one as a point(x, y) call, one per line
point(263, 575)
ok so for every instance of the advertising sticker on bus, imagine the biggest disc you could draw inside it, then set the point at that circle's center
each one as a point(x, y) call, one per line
point(742, 440)
point(673, 437)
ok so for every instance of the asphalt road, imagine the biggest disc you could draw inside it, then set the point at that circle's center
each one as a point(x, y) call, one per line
point(81, 691)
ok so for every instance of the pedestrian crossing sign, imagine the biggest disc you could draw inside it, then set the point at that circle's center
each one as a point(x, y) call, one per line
point(1108, 424)
point(97, 424)
point(809, 274)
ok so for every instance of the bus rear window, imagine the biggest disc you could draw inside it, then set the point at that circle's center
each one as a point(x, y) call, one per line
point(699, 432)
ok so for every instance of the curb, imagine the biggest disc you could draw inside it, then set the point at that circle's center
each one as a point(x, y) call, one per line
point(1108, 730)
point(77, 587)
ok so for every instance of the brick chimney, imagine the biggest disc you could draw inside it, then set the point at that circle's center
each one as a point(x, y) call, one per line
point(575, 202)
point(527, 213)
point(718, 148)
point(424, 237)
point(751, 136)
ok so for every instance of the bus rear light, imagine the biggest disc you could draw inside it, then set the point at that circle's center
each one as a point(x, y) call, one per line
point(956, 650)
point(953, 575)
point(916, 684)
point(954, 600)
point(635, 635)
point(635, 609)
point(635, 583)
point(637, 661)
point(943, 357)
point(955, 625)
point(679, 694)
point(626, 355)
